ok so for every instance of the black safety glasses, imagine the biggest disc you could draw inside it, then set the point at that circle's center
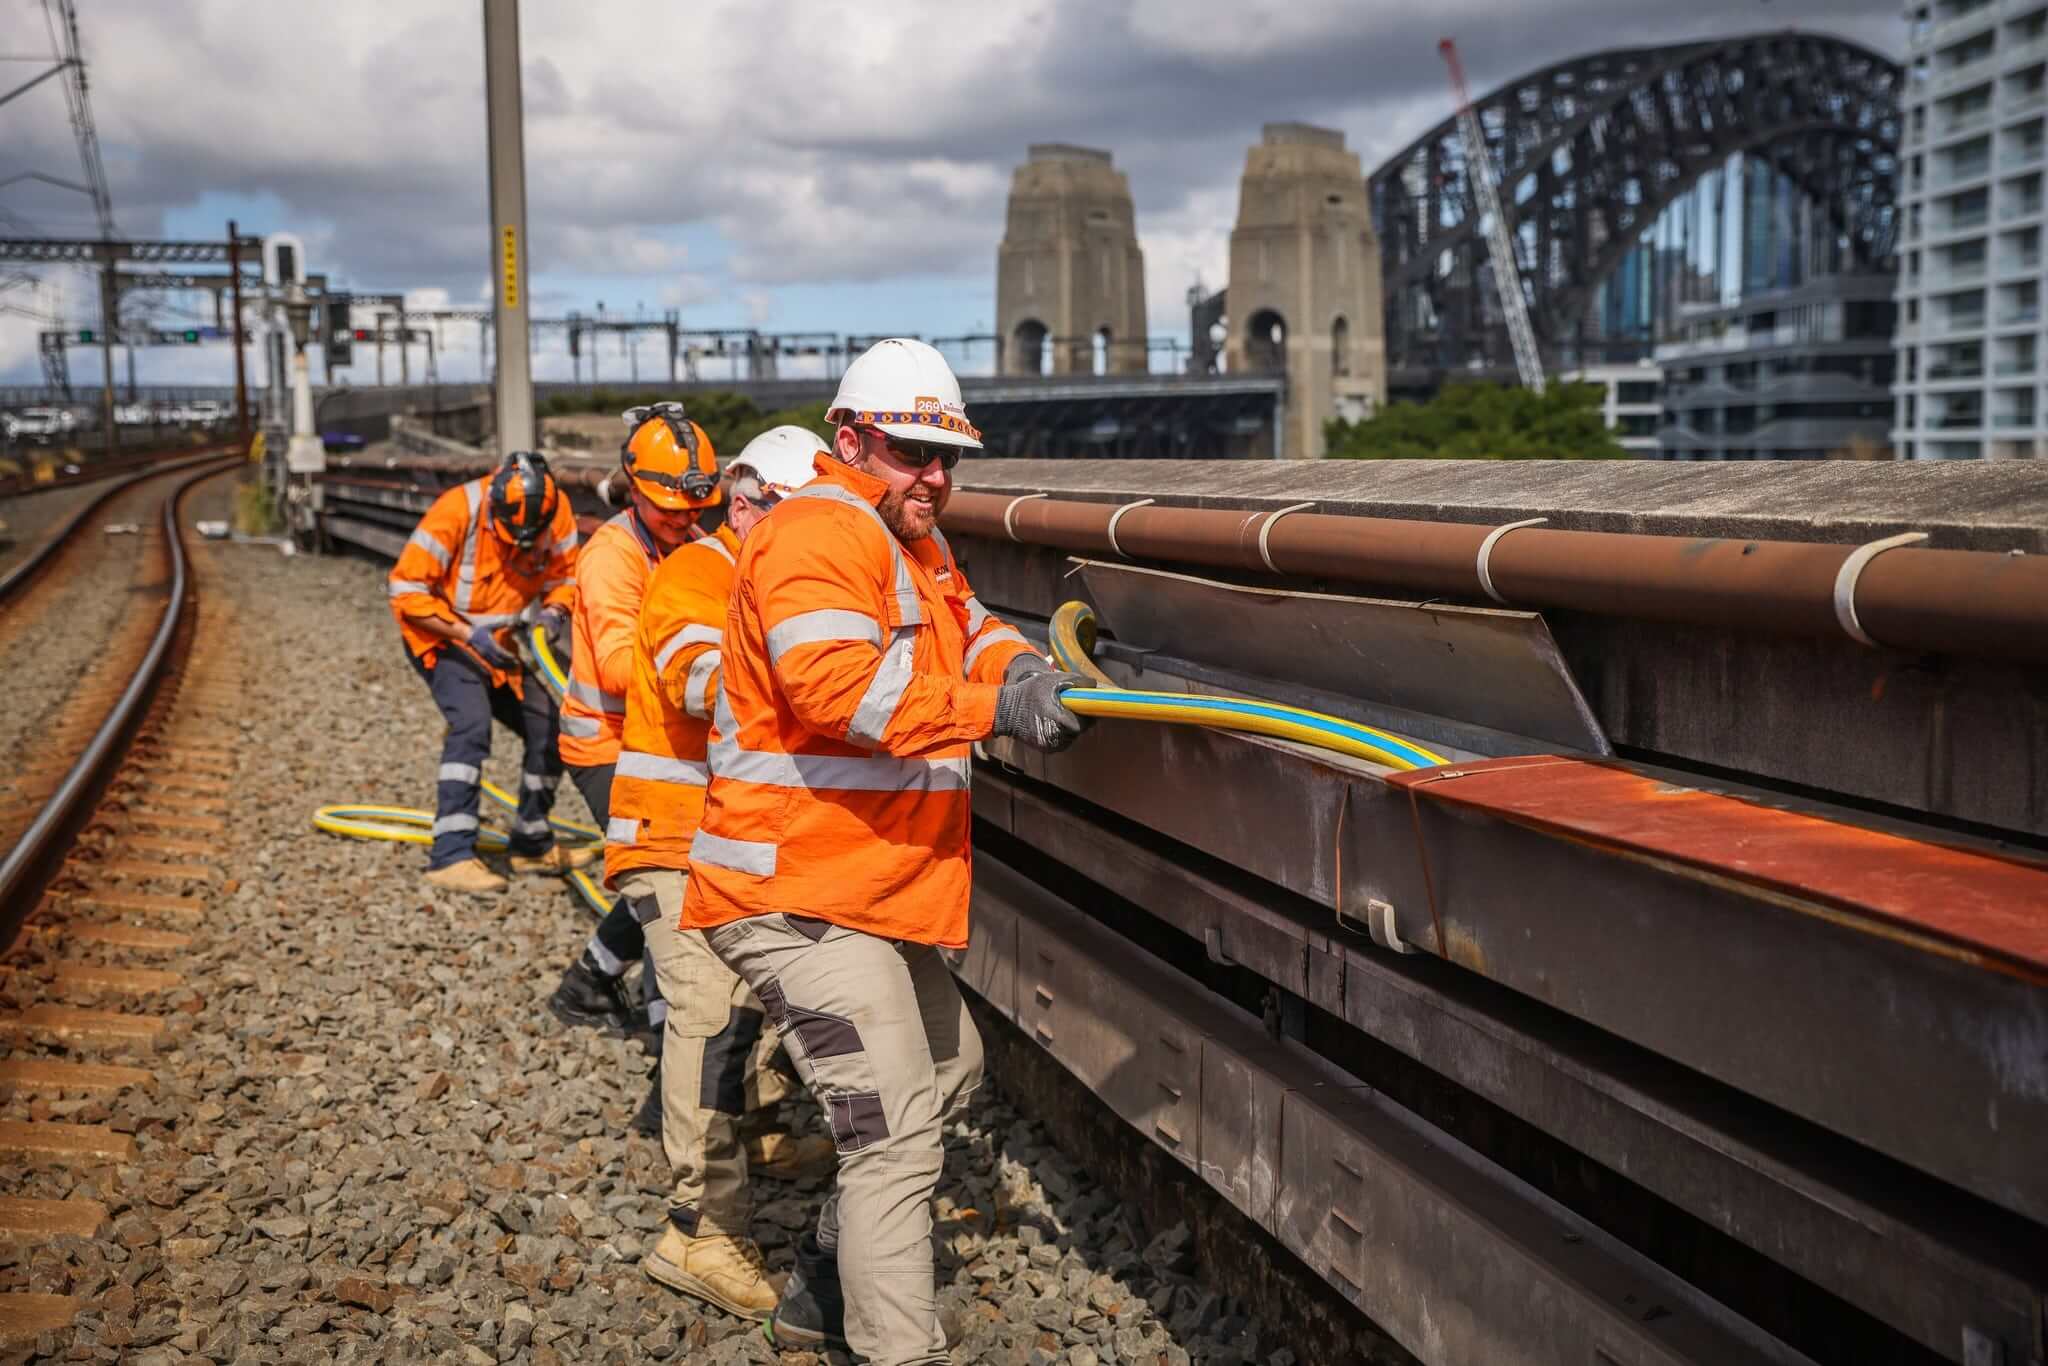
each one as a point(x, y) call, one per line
point(918, 454)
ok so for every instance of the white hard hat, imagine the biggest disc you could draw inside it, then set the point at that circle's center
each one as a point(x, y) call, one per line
point(906, 389)
point(781, 458)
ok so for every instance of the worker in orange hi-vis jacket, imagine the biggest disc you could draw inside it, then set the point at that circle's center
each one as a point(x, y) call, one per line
point(832, 862)
point(489, 553)
point(669, 472)
point(718, 1060)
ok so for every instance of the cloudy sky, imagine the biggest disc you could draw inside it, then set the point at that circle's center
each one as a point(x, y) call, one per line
point(796, 166)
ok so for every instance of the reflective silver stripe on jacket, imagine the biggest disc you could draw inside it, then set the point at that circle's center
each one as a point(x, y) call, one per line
point(582, 727)
point(398, 588)
point(660, 768)
point(622, 830)
point(829, 772)
point(1000, 635)
point(742, 856)
point(826, 623)
point(431, 546)
point(693, 634)
point(597, 698)
point(697, 686)
point(977, 615)
point(465, 571)
point(885, 690)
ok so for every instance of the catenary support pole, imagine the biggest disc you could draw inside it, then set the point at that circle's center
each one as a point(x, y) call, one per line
point(235, 336)
point(508, 224)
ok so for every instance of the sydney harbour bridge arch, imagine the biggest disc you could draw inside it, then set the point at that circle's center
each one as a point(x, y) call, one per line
point(1590, 151)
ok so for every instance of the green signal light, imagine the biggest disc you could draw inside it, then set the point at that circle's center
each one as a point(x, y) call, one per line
point(86, 334)
point(191, 336)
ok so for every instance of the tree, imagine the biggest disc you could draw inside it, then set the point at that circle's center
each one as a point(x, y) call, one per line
point(1474, 421)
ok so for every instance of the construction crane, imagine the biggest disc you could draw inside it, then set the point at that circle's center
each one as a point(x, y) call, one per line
point(1507, 275)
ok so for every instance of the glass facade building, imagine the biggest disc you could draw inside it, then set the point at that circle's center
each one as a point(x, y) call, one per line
point(1970, 349)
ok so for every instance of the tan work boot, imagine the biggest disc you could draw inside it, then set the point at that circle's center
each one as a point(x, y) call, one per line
point(789, 1158)
point(557, 861)
point(470, 875)
point(716, 1268)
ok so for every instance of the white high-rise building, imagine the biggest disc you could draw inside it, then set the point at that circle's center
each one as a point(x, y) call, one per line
point(1970, 352)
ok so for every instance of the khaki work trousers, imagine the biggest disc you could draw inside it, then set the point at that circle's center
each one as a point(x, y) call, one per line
point(716, 1058)
point(878, 1031)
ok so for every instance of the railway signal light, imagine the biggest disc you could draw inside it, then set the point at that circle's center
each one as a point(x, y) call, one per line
point(87, 336)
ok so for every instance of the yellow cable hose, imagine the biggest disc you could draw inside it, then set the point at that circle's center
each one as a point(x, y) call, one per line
point(1073, 642)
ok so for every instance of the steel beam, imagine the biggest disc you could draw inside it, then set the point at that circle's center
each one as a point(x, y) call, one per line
point(1703, 962)
point(1456, 1259)
point(1937, 1267)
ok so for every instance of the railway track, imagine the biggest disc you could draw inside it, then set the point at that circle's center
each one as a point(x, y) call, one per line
point(109, 866)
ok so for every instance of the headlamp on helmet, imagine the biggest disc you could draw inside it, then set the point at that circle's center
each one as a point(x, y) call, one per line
point(669, 457)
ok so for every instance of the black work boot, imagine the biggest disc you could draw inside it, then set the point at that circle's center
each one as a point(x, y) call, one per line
point(648, 1122)
point(812, 1313)
point(588, 996)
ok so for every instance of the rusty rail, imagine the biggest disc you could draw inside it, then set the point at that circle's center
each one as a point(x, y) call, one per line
point(1965, 602)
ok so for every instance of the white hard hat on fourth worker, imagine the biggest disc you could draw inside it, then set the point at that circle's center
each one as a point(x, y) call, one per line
point(904, 388)
point(782, 458)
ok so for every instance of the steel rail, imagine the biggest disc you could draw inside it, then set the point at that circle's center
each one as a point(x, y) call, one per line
point(18, 578)
point(82, 783)
point(1964, 602)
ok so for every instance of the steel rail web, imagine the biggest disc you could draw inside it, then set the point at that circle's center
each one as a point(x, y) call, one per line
point(19, 577)
point(82, 782)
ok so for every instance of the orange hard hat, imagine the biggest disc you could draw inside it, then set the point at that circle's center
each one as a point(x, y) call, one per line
point(669, 458)
point(523, 498)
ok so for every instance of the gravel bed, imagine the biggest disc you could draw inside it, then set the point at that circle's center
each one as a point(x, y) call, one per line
point(30, 518)
point(61, 630)
point(371, 1142)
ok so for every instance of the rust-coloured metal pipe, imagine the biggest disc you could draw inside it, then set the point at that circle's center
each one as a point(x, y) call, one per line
point(1969, 602)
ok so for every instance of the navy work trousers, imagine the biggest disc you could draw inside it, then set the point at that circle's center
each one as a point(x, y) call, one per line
point(468, 702)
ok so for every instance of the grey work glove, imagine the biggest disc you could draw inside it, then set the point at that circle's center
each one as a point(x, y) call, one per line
point(1029, 709)
point(490, 651)
point(1023, 666)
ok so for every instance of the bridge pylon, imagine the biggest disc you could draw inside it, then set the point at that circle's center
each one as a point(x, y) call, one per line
point(1070, 279)
point(1304, 293)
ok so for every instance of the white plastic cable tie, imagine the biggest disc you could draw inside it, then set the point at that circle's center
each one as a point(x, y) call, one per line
point(1852, 570)
point(1486, 553)
point(1266, 529)
point(1118, 515)
point(1010, 512)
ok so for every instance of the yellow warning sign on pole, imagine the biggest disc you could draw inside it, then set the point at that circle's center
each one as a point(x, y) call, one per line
point(511, 263)
point(256, 448)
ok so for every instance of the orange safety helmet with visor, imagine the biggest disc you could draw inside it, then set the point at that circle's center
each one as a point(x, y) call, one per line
point(523, 499)
point(669, 458)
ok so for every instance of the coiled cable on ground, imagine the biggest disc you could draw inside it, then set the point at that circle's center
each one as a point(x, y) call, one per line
point(413, 825)
point(1073, 644)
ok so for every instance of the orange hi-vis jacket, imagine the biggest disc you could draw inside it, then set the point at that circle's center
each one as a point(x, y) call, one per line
point(611, 581)
point(658, 787)
point(857, 673)
point(457, 568)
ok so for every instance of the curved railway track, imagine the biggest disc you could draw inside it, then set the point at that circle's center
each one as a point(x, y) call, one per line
point(82, 736)
point(92, 876)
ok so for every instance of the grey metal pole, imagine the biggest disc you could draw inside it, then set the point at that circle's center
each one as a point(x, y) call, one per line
point(508, 224)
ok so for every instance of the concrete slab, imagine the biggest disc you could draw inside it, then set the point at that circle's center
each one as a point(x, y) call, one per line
point(1993, 505)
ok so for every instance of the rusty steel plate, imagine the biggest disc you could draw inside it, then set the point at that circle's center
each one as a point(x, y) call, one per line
point(1979, 906)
